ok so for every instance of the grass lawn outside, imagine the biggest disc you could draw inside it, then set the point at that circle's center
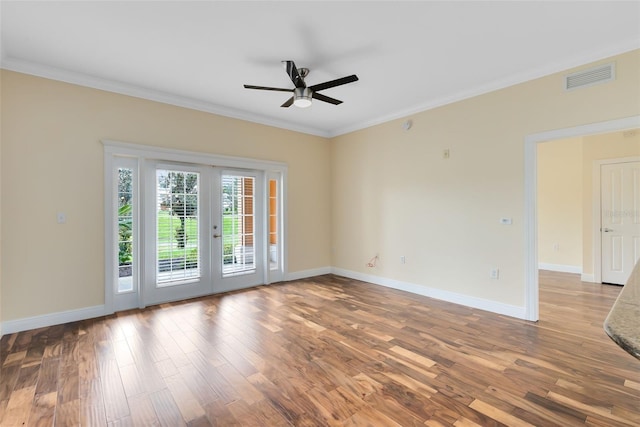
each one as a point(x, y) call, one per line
point(168, 245)
point(166, 237)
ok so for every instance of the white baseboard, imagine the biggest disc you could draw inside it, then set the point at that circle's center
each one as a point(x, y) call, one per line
point(297, 275)
point(577, 269)
point(27, 323)
point(588, 278)
point(452, 297)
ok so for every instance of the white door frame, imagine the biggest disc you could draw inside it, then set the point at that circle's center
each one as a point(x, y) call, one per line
point(597, 212)
point(531, 197)
point(146, 152)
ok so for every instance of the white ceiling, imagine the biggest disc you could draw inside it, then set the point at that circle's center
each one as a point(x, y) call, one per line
point(409, 56)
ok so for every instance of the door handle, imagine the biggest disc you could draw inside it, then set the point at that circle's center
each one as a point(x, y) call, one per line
point(607, 230)
point(215, 236)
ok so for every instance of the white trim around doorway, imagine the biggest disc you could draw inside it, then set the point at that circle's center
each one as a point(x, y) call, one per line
point(531, 198)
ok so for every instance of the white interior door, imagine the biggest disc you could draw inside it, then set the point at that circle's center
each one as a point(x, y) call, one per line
point(620, 220)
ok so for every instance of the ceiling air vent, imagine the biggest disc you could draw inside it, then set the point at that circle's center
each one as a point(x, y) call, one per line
point(600, 74)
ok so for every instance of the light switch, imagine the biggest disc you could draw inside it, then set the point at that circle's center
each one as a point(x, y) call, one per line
point(62, 217)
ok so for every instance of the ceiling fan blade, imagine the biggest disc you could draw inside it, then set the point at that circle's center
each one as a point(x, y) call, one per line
point(288, 103)
point(321, 97)
point(293, 74)
point(267, 88)
point(333, 83)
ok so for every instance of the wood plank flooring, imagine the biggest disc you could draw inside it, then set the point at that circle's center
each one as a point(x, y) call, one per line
point(327, 351)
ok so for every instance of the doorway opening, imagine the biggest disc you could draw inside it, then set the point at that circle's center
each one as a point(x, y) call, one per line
point(531, 198)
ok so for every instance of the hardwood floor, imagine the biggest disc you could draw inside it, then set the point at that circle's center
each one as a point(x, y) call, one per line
point(327, 351)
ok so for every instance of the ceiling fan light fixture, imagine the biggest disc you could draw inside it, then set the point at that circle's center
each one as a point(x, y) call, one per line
point(302, 97)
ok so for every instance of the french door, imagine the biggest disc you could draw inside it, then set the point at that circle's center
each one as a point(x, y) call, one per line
point(238, 230)
point(182, 227)
point(204, 231)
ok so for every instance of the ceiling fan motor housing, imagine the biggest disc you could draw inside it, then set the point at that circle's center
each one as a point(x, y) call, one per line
point(302, 96)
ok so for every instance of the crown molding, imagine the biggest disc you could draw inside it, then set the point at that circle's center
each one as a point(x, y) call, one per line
point(549, 69)
point(27, 67)
point(81, 79)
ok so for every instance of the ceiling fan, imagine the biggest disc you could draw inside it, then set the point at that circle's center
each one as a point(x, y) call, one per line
point(302, 93)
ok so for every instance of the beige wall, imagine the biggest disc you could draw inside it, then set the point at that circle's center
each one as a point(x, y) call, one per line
point(560, 203)
point(52, 160)
point(394, 195)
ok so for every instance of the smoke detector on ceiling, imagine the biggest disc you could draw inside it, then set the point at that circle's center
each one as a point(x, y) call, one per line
point(600, 74)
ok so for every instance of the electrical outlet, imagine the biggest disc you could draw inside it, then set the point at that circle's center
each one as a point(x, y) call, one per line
point(494, 274)
point(556, 247)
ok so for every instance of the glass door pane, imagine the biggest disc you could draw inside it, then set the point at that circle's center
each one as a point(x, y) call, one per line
point(238, 225)
point(239, 229)
point(177, 222)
